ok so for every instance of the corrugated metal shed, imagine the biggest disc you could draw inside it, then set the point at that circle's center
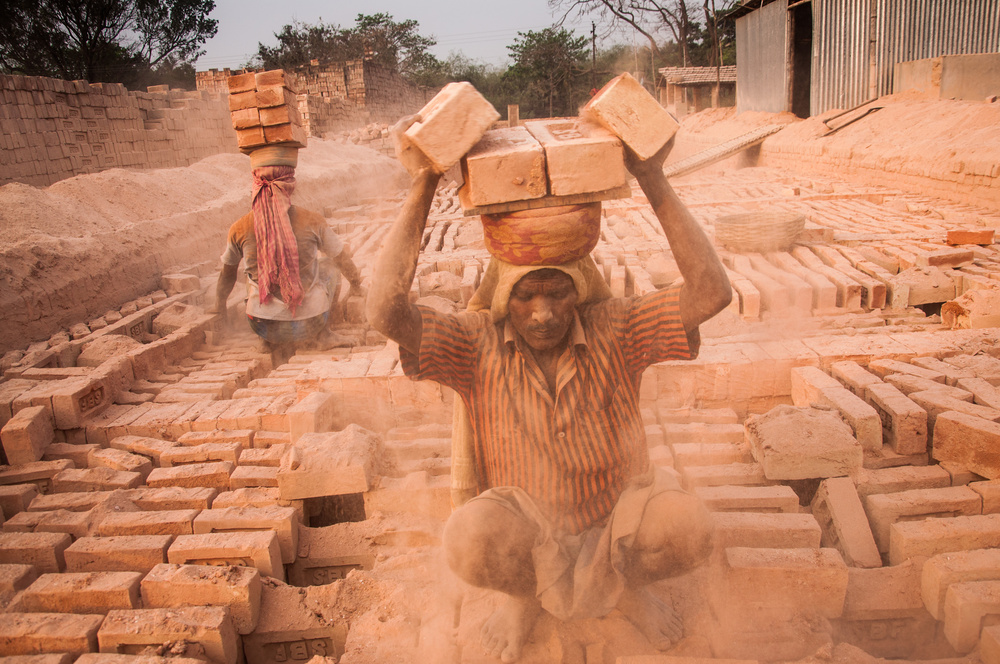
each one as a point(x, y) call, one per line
point(762, 59)
point(855, 44)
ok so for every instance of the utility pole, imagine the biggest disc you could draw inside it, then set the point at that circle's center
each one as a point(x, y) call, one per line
point(593, 55)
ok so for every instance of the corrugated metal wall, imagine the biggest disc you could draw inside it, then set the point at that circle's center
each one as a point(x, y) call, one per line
point(762, 59)
point(857, 42)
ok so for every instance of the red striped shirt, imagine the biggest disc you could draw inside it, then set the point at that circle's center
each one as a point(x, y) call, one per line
point(572, 454)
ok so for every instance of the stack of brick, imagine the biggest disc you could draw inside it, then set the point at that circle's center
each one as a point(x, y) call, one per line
point(265, 111)
point(566, 161)
point(55, 129)
point(341, 95)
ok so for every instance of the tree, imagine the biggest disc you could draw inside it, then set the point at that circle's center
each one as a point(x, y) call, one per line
point(650, 18)
point(396, 45)
point(119, 41)
point(546, 65)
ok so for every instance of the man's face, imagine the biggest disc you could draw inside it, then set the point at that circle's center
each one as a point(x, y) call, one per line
point(541, 307)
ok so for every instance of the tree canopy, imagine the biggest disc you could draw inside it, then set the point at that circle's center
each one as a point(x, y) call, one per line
point(134, 42)
point(546, 66)
point(691, 43)
point(376, 37)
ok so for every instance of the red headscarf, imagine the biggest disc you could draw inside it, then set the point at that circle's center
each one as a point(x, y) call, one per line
point(277, 251)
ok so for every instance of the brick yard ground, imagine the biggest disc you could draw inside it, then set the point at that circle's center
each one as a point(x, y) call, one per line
point(171, 490)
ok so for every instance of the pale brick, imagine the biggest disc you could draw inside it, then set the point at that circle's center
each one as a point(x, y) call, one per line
point(884, 367)
point(935, 403)
point(209, 627)
point(966, 606)
point(625, 108)
point(172, 498)
point(282, 520)
point(120, 460)
point(132, 553)
point(82, 592)
point(316, 413)
point(78, 454)
point(94, 479)
point(163, 522)
point(854, 377)
point(34, 633)
point(837, 508)
point(505, 165)
point(984, 393)
point(989, 645)
point(884, 593)
point(942, 570)
point(258, 549)
point(264, 456)
point(26, 435)
point(14, 578)
point(778, 498)
point(809, 580)
point(800, 443)
point(968, 440)
point(901, 478)
point(213, 475)
point(253, 476)
point(451, 123)
point(236, 588)
point(148, 447)
point(45, 551)
point(243, 436)
point(951, 373)
point(730, 474)
point(989, 492)
point(904, 423)
point(290, 630)
point(204, 453)
point(780, 530)
point(885, 509)
point(328, 554)
point(929, 537)
point(580, 157)
point(329, 464)
point(16, 498)
point(417, 493)
point(807, 382)
point(710, 454)
point(861, 417)
point(703, 432)
point(908, 384)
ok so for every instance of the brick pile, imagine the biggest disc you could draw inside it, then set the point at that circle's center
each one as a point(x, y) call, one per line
point(339, 96)
point(265, 110)
point(53, 129)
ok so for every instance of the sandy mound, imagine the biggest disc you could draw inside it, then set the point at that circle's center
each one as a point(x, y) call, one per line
point(84, 245)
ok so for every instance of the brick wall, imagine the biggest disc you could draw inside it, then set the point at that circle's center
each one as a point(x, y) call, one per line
point(340, 96)
point(52, 129)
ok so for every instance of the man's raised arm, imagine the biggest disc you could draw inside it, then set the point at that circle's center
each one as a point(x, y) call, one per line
point(388, 308)
point(706, 289)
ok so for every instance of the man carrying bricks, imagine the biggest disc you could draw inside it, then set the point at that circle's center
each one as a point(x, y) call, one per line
point(570, 516)
point(290, 291)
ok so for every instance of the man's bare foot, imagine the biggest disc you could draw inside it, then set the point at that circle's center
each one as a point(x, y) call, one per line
point(654, 617)
point(506, 631)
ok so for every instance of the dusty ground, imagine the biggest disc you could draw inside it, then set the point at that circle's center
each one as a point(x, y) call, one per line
point(76, 249)
point(72, 251)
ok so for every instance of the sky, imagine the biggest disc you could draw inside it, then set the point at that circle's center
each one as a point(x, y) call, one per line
point(481, 30)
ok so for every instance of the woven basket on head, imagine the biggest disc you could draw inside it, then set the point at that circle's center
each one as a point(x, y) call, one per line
point(759, 231)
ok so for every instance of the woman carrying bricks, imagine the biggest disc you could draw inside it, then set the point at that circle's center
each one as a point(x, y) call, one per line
point(570, 517)
point(290, 290)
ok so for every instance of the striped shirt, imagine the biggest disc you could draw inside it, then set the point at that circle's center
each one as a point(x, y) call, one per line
point(574, 453)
